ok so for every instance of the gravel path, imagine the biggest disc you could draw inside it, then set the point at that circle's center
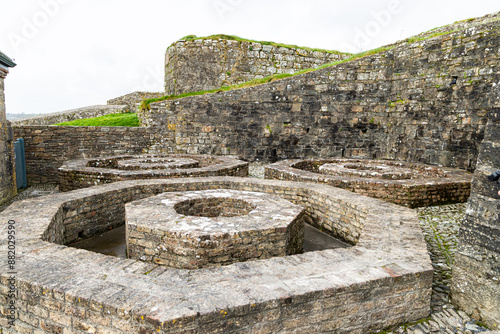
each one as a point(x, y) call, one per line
point(440, 226)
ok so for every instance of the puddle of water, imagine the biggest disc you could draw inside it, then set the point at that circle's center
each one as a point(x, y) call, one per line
point(315, 240)
point(113, 242)
point(109, 243)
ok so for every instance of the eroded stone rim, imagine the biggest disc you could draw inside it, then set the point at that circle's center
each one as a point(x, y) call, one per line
point(76, 174)
point(156, 162)
point(172, 221)
point(390, 250)
point(454, 188)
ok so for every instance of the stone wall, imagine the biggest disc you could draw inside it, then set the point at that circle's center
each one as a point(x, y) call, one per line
point(132, 100)
point(205, 64)
point(421, 102)
point(73, 114)
point(48, 147)
point(8, 186)
point(476, 274)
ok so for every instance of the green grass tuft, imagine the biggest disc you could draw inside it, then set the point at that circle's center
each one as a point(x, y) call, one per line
point(123, 119)
point(429, 36)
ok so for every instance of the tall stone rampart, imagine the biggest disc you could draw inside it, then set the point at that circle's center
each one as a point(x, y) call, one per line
point(421, 102)
point(476, 274)
point(210, 63)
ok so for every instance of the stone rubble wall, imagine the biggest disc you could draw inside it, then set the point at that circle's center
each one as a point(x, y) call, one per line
point(134, 99)
point(8, 187)
point(206, 64)
point(73, 114)
point(422, 102)
point(476, 274)
point(48, 147)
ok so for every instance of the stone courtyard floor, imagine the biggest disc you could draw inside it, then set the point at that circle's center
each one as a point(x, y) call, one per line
point(440, 225)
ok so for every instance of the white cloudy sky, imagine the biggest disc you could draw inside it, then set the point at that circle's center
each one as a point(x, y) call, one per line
point(75, 53)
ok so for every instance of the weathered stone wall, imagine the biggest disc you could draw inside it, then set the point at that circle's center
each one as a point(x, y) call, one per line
point(132, 100)
point(73, 114)
point(421, 102)
point(8, 186)
point(476, 274)
point(205, 64)
point(48, 147)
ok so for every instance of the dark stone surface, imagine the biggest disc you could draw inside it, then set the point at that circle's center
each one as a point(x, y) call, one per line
point(476, 274)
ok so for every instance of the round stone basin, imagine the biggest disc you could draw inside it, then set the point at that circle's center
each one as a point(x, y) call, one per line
point(367, 169)
point(156, 163)
point(197, 229)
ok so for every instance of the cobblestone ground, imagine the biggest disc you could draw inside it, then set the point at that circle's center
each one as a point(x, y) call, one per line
point(30, 192)
point(440, 226)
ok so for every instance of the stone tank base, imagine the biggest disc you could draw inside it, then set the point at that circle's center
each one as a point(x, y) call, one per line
point(383, 280)
point(404, 183)
point(198, 229)
point(82, 173)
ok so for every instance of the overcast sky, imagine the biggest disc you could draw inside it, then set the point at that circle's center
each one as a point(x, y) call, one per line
point(76, 53)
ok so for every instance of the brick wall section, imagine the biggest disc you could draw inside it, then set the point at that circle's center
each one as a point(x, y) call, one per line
point(207, 64)
point(384, 280)
point(399, 104)
point(8, 186)
point(48, 147)
point(476, 274)
point(71, 115)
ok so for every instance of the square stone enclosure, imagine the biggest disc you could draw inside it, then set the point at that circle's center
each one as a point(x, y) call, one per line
point(197, 229)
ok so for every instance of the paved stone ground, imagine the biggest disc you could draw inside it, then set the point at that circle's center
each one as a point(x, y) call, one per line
point(440, 225)
point(30, 192)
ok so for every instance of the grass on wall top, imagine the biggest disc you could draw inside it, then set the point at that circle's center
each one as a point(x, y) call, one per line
point(239, 39)
point(122, 119)
point(146, 103)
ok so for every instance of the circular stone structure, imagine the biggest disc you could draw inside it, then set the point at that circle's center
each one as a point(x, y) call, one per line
point(385, 279)
point(404, 183)
point(191, 230)
point(82, 173)
point(157, 163)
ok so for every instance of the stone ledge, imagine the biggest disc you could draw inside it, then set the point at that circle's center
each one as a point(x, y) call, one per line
point(448, 186)
point(84, 173)
point(199, 229)
point(384, 280)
